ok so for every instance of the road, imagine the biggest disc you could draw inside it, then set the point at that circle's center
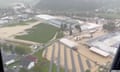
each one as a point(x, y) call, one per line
point(73, 63)
point(65, 60)
point(52, 59)
point(58, 58)
point(80, 64)
point(88, 63)
point(46, 50)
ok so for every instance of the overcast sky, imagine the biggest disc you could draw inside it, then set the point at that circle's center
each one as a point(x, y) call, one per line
point(4, 3)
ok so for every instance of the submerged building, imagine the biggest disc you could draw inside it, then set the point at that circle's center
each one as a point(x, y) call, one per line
point(108, 44)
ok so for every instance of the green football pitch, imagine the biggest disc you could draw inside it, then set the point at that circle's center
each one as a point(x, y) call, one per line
point(41, 33)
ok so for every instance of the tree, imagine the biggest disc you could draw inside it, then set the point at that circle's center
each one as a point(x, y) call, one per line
point(60, 34)
point(23, 70)
point(22, 50)
point(78, 27)
point(6, 47)
point(110, 27)
point(12, 48)
point(70, 30)
point(63, 27)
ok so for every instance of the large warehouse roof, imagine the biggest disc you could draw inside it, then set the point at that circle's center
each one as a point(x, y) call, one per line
point(100, 52)
point(108, 43)
point(69, 43)
point(46, 17)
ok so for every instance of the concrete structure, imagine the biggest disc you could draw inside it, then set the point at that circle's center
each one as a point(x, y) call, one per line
point(107, 43)
point(68, 43)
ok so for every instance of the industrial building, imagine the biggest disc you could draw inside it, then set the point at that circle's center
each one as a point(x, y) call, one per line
point(107, 43)
point(56, 21)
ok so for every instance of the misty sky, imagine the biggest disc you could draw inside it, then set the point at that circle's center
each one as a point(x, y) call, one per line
point(5, 3)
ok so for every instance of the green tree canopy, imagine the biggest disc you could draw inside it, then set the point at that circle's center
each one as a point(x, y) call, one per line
point(110, 27)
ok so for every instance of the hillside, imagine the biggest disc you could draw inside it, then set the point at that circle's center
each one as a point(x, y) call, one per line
point(76, 5)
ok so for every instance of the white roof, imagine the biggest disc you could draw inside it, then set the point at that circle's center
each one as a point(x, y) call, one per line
point(46, 17)
point(100, 52)
point(103, 46)
point(81, 22)
point(32, 64)
point(115, 51)
point(69, 43)
point(3, 21)
point(89, 26)
point(7, 17)
point(10, 62)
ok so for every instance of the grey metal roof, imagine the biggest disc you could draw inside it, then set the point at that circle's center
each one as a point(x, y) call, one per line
point(6, 57)
point(103, 38)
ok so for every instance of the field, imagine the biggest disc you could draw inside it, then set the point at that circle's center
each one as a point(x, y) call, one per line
point(41, 33)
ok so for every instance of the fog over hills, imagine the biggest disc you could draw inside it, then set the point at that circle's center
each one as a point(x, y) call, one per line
point(68, 5)
point(7, 3)
point(77, 4)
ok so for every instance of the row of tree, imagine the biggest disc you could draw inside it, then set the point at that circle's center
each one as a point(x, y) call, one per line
point(65, 26)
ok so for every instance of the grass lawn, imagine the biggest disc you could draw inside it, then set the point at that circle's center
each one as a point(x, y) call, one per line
point(41, 33)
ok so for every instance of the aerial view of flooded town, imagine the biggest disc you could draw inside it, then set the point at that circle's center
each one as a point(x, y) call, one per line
point(58, 35)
